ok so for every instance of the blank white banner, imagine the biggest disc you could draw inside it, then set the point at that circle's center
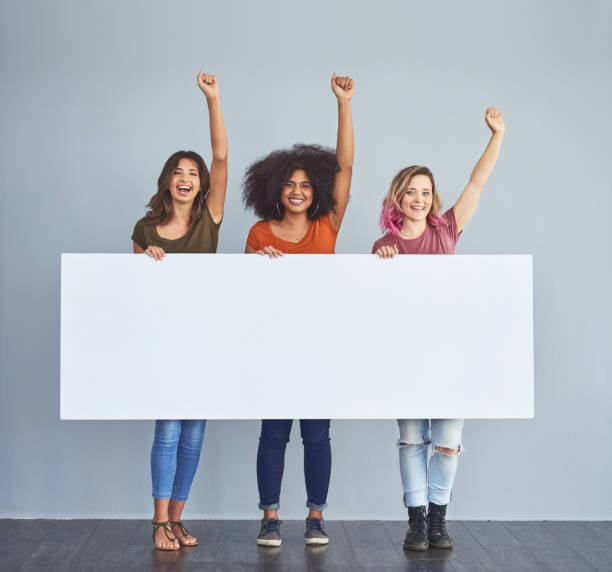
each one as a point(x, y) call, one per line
point(234, 336)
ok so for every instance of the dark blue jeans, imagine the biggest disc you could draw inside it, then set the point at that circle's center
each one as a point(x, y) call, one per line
point(271, 461)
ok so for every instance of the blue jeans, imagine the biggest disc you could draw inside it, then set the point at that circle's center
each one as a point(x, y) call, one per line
point(174, 457)
point(271, 461)
point(416, 436)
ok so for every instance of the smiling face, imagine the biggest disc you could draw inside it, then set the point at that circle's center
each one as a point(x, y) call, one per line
point(297, 193)
point(417, 200)
point(185, 182)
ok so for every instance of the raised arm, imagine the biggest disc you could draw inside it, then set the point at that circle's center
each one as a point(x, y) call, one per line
point(466, 204)
point(218, 140)
point(343, 88)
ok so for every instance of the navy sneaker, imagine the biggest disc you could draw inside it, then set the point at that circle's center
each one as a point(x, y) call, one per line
point(314, 532)
point(269, 535)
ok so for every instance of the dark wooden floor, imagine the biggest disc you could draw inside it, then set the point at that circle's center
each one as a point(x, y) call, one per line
point(81, 545)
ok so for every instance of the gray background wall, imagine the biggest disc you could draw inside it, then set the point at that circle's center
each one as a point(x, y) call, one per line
point(96, 95)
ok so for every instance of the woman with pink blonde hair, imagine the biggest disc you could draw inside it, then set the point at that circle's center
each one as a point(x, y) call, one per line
point(413, 223)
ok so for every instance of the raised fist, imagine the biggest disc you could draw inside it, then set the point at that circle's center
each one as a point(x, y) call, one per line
point(208, 84)
point(494, 120)
point(343, 87)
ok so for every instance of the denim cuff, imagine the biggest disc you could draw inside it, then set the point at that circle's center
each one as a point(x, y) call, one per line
point(418, 498)
point(313, 506)
point(273, 506)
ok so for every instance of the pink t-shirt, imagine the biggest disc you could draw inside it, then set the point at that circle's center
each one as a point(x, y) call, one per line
point(432, 241)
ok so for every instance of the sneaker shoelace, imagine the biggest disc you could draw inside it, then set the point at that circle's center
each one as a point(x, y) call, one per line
point(315, 524)
point(271, 525)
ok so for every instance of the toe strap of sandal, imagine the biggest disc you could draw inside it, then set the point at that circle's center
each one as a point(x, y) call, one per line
point(167, 526)
point(181, 526)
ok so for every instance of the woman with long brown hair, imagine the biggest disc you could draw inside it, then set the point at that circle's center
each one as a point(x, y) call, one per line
point(183, 217)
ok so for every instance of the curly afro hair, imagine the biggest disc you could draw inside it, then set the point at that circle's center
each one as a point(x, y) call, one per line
point(265, 179)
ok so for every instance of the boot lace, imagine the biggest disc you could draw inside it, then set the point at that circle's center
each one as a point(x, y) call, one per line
point(418, 521)
point(437, 522)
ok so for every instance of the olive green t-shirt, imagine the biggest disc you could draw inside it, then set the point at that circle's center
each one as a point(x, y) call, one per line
point(202, 236)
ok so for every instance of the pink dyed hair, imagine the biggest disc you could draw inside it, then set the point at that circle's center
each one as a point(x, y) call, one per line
point(392, 215)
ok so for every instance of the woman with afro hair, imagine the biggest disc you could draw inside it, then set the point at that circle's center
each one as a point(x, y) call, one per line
point(183, 216)
point(301, 196)
point(413, 223)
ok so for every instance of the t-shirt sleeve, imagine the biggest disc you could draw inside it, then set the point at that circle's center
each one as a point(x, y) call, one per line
point(328, 222)
point(253, 240)
point(451, 225)
point(138, 235)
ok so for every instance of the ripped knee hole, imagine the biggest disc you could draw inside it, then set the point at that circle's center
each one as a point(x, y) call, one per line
point(446, 450)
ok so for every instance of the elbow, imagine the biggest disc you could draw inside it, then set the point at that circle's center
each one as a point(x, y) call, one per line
point(477, 183)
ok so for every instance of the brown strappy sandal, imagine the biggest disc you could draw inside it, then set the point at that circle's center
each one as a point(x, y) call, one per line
point(184, 532)
point(167, 526)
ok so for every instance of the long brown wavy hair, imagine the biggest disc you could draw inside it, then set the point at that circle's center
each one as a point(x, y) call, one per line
point(160, 207)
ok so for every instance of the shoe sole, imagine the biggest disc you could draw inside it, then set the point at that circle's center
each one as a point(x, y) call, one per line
point(416, 547)
point(442, 546)
point(316, 541)
point(263, 542)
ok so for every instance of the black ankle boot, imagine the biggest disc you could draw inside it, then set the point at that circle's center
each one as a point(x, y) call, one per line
point(436, 531)
point(416, 537)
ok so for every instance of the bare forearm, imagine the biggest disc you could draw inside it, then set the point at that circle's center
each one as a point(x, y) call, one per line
point(345, 144)
point(466, 204)
point(218, 138)
point(487, 160)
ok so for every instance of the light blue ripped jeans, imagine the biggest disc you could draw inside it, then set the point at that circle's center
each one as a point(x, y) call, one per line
point(416, 436)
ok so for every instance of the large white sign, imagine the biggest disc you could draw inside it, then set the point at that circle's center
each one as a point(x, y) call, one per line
point(234, 336)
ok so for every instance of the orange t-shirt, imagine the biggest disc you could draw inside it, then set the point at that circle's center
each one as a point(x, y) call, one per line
point(320, 238)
